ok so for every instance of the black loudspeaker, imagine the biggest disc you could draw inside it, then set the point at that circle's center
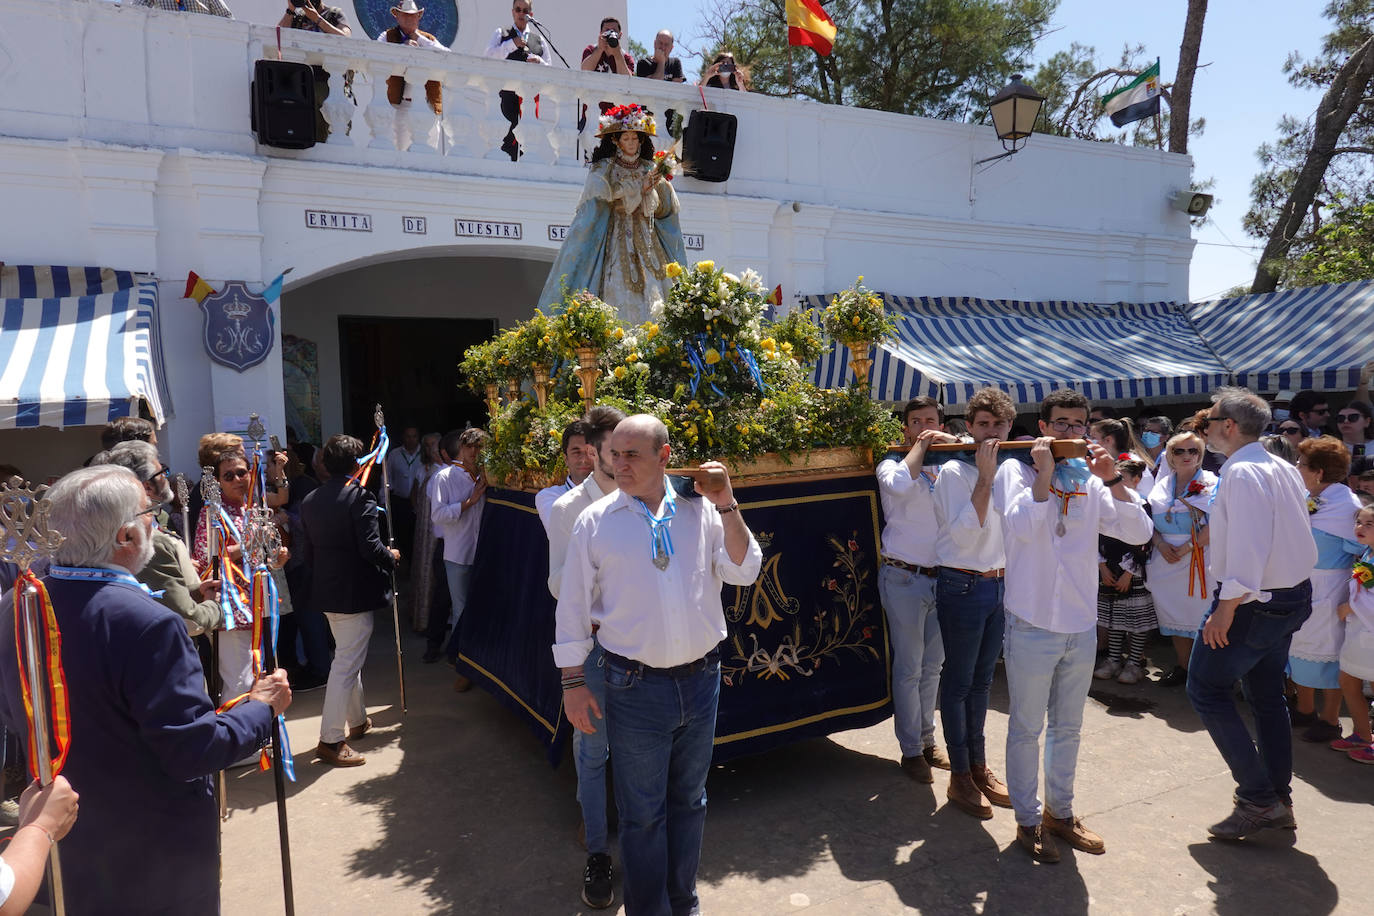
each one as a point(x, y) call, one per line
point(283, 104)
point(708, 145)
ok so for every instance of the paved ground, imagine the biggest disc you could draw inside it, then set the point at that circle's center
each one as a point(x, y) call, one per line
point(457, 812)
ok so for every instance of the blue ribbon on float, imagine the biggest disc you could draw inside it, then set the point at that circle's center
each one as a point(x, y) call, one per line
point(752, 365)
point(696, 356)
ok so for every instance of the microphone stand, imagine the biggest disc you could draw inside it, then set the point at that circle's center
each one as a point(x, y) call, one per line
point(549, 41)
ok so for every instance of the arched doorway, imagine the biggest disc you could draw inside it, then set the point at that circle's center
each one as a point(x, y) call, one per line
point(393, 330)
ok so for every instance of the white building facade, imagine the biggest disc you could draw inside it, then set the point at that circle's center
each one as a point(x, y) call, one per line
point(125, 143)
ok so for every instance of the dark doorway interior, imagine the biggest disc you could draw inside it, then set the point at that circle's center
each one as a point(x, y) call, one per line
point(410, 366)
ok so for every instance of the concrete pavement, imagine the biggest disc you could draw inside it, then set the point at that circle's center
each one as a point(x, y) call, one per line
point(457, 812)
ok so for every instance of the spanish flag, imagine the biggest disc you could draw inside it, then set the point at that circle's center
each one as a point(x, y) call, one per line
point(775, 297)
point(196, 288)
point(808, 24)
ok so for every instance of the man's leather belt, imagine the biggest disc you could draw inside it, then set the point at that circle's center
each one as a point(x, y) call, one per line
point(990, 574)
point(684, 670)
point(911, 567)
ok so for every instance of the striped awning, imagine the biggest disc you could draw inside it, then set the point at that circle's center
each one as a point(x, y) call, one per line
point(77, 353)
point(1316, 337)
point(948, 348)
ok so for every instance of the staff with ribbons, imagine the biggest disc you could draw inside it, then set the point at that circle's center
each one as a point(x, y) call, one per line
point(381, 442)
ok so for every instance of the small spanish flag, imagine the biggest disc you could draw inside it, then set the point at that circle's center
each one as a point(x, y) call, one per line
point(775, 297)
point(808, 24)
point(196, 288)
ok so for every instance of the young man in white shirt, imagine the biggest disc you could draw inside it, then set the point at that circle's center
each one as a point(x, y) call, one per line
point(578, 458)
point(906, 584)
point(968, 601)
point(403, 466)
point(651, 565)
point(1262, 555)
point(1052, 512)
point(590, 751)
point(457, 496)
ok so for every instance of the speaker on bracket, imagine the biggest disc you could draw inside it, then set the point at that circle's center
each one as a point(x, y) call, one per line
point(283, 104)
point(708, 145)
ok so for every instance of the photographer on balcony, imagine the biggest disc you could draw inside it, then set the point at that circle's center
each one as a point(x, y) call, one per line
point(724, 73)
point(518, 42)
point(606, 55)
point(314, 16)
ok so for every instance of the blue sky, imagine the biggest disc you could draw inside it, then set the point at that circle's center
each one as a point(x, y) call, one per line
point(1242, 92)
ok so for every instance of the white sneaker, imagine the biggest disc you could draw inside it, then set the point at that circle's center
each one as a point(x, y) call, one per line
point(1109, 669)
point(1131, 673)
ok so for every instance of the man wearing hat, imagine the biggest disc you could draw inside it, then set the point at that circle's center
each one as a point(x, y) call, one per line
point(407, 31)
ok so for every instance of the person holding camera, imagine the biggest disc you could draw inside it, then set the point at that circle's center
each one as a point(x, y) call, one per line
point(662, 66)
point(606, 55)
point(314, 16)
point(519, 42)
point(724, 73)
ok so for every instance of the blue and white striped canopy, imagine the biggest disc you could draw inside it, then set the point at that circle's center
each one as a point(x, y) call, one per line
point(79, 359)
point(948, 348)
point(1316, 337)
point(22, 281)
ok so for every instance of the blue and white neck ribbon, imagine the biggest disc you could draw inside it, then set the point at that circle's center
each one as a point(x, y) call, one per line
point(96, 574)
point(660, 537)
point(1071, 473)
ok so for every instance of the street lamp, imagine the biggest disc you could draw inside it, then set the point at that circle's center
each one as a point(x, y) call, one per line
point(1014, 111)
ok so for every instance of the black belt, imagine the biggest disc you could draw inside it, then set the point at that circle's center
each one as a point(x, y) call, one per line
point(684, 670)
point(911, 567)
point(985, 574)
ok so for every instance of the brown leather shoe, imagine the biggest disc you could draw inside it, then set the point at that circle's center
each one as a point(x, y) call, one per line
point(918, 770)
point(1072, 831)
point(339, 755)
point(358, 731)
point(463, 684)
point(1036, 840)
point(966, 797)
point(936, 757)
point(993, 789)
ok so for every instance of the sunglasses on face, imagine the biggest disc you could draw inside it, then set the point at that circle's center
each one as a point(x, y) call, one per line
point(1350, 417)
point(165, 470)
point(1320, 410)
point(1184, 451)
point(521, 9)
point(234, 475)
point(1290, 431)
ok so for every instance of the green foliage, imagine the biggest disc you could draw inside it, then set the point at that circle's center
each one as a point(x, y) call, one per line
point(936, 58)
point(1340, 251)
point(483, 364)
point(525, 439)
point(536, 341)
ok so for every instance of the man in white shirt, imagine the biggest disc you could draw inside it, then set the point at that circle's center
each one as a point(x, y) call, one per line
point(579, 458)
point(653, 564)
point(403, 467)
point(968, 601)
point(590, 751)
point(457, 496)
point(906, 584)
point(401, 94)
point(520, 41)
point(1052, 513)
point(1262, 555)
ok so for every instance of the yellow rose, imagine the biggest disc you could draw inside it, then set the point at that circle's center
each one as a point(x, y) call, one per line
point(711, 356)
point(706, 265)
point(619, 334)
point(633, 357)
point(674, 269)
point(768, 343)
point(581, 392)
point(651, 329)
point(660, 351)
point(787, 346)
point(854, 321)
point(860, 280)
point(619, 372)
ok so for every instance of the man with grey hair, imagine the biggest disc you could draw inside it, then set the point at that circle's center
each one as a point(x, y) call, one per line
point(649, 565)
point(148, 737)
point(1262, 555)
point(170, 570)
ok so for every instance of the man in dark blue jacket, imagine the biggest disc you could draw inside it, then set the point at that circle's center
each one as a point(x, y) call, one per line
point(144, 736)
point(349, 575)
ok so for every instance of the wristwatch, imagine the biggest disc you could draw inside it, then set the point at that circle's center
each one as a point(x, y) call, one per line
point(734, 506)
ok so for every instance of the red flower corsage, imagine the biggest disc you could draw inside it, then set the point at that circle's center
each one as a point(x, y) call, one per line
point(1195, 488)
point(1124, 456)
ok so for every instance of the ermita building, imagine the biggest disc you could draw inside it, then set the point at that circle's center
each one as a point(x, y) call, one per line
point(125, 144)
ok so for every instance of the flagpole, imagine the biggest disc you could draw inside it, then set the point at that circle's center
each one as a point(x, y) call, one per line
point(380, 420)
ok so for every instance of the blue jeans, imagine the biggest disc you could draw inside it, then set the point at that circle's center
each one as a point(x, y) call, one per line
point(1050, 673)
point(971, 625)
point(589, 756)
point(458, 575)
point(1256, 654)
point(917, 653)
point(661, 730)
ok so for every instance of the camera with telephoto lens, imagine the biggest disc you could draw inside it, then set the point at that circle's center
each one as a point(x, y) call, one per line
point(726, 66)
point(612, 37)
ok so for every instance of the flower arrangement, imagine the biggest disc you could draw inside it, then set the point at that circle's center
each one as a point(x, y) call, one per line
point(857, 316)
point(536, 341)
point(1363, 573)
point(482, 365)
point(665, 164)
point(585, 321)
point(798, 335)
point(1195, 488)
point(1313, 504)
point(716, 303)
point(526, 441)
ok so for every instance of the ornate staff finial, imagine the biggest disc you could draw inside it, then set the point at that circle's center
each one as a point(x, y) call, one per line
point(255, 428)
point(209, 487)
point(378, 418)
point(183, 490)
point(261, 538)
point(24, 515)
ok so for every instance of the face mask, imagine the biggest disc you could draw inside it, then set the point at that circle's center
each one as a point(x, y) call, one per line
point(1150, 439)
